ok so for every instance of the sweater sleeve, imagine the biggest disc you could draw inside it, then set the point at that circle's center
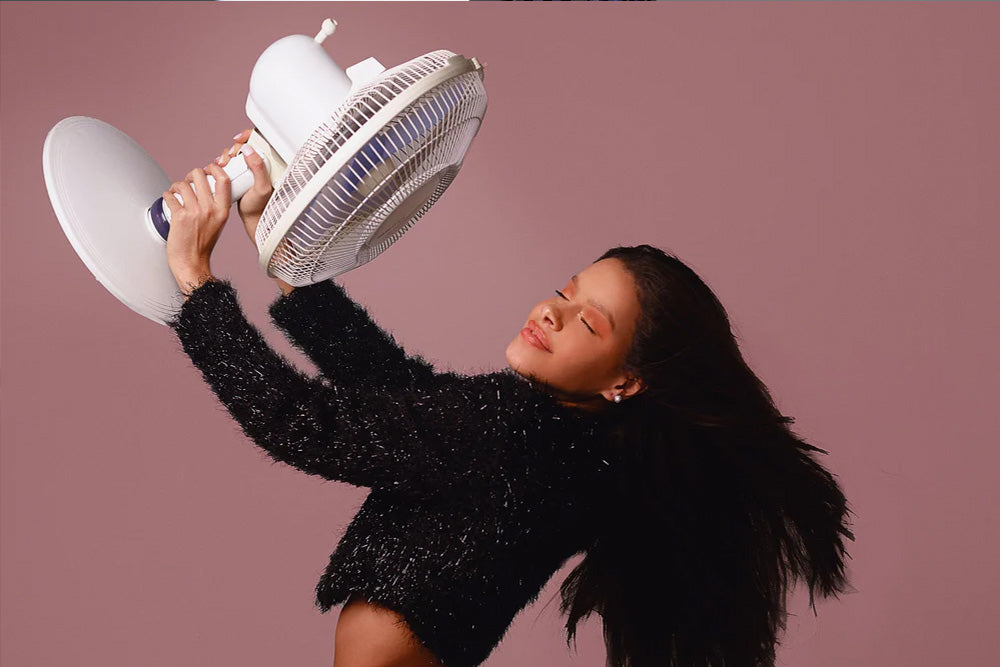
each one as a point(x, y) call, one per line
point(366, 436)
point(343, 341)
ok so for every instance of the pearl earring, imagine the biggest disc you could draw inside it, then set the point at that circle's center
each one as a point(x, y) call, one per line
point(618, 398)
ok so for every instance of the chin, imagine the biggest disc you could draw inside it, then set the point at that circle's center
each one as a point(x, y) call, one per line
point(511, 355)
point(515, 358)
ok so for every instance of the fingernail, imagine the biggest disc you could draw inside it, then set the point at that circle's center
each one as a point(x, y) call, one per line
point(218, 160)
point(236, 137)
point(248, 150)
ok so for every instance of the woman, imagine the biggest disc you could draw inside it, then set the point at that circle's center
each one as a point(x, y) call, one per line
point(627, 427)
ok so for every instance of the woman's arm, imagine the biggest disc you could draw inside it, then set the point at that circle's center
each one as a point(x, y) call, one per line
point(344, 342)
point(320, 319)
point(364, 435)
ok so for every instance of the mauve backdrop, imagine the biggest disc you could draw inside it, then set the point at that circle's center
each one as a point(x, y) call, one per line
point(830, 169)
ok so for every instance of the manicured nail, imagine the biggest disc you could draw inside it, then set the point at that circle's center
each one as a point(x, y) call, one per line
point(236, 137)
point(247, 149)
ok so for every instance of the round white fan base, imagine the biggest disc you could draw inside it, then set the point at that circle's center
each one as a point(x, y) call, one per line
point(101, 184)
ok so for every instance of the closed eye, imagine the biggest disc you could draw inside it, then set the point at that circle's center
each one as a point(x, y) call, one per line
point(581, 314)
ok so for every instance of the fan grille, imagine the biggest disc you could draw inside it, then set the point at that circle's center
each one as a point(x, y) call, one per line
point(387, 185)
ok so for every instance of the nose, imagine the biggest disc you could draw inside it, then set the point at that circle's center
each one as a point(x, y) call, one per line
point(552, 316)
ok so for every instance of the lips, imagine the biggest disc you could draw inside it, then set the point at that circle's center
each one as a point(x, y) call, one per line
point(535, 336)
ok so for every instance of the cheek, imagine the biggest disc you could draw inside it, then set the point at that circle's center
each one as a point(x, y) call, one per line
point(584, 361)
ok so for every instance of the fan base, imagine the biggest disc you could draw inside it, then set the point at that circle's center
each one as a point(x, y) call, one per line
point(101, 184)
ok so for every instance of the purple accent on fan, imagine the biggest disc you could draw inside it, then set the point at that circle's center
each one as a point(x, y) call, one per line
point(160, 222)
point(418, 126)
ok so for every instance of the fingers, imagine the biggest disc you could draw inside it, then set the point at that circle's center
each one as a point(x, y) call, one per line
point(170, 201)
point(223, 187)
point(184, 189)
point(201, 187)
point(261, 180)
point(229, 153)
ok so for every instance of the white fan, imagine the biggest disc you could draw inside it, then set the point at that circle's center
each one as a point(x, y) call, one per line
point(356, 156)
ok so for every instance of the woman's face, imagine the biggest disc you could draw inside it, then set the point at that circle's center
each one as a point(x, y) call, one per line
point(576, 340)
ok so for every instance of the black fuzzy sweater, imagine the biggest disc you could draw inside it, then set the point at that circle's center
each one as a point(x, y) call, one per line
point(482, 486)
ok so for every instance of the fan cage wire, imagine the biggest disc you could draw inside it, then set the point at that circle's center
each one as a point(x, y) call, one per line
point(334, 233)
point(363, 242)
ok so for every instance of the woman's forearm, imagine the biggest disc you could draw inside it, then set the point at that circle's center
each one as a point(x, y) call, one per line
point(360, 436)
point(347, 346)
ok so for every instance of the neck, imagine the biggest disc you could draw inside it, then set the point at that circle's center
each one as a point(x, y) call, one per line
point(593, 403)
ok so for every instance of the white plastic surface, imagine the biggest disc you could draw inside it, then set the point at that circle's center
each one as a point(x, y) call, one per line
point(294, 87)
point(240, 179)
point(101, 183)
point(327, 29)
point(364, 71)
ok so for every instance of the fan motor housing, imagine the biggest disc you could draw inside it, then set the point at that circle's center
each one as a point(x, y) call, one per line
point(294, 87)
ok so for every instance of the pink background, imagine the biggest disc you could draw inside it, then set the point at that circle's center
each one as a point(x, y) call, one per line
point(831, 170)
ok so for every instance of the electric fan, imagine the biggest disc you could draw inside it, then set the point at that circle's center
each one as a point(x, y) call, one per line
point(356, 157)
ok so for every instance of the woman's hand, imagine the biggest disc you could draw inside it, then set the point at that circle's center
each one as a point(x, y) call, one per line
point(195, 225)
point(252, 204)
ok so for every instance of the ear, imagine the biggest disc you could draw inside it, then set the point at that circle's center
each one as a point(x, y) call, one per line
point(626, 385)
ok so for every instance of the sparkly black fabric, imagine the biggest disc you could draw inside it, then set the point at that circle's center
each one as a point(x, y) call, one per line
point(482, 486)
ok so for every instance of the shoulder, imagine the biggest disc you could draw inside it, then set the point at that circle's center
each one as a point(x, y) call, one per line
point(534, 421)
point(504, 431)
point(505, 396)
point(500, 404)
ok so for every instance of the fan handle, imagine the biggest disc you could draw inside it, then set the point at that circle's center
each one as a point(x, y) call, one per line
point(240, 178)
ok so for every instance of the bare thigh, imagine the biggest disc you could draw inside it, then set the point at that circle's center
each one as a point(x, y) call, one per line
point(369, 635)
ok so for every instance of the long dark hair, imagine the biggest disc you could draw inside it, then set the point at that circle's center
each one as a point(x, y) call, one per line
point(719, 508)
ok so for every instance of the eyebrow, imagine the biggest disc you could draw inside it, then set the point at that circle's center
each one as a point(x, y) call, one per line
point(604, 311)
